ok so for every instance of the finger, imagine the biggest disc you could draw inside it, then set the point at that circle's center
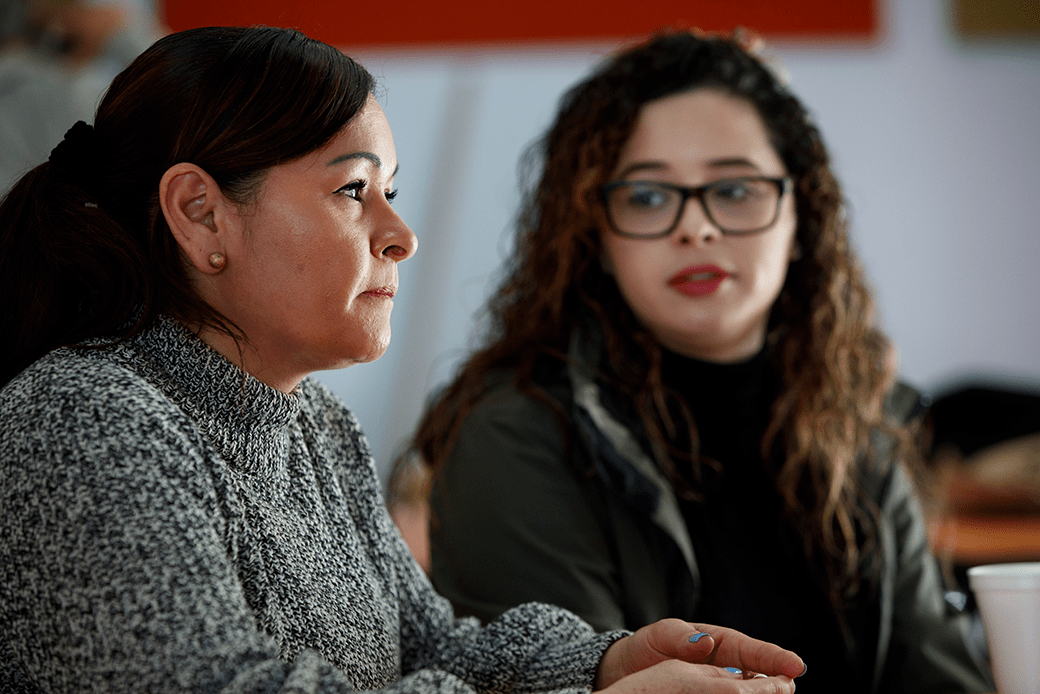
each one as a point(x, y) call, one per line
point(751, 675)
point(755, 682)
point(668, 639)
point(769, 685)
point(673, 638)
point(749, 683)
point(735, 649)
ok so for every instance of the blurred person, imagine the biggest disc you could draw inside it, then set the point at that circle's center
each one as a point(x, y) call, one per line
point(183, 509)
point(684, 407)
point(56, 59)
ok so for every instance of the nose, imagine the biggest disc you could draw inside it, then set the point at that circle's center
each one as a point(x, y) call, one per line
point(694, 225)
point(394, 240)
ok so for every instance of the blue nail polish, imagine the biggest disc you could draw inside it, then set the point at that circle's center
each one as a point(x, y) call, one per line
point(735, 671)
point(805, 668)
point(697, 637)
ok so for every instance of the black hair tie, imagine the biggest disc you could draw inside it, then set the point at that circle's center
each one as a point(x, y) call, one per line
point(76, 155)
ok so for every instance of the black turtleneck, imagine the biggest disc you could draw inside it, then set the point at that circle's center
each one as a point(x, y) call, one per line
point(754, 571)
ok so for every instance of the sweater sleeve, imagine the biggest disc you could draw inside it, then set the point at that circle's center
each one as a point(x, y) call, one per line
point(115, 573)
point(511, 522)
point(533, 647)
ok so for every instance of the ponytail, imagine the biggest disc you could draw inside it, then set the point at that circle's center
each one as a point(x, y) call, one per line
point(68, 271)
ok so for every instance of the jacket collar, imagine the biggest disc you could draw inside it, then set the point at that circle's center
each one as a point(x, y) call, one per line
point(617, 453)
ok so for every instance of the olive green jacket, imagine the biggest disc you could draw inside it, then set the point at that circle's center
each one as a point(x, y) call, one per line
point(590, 524)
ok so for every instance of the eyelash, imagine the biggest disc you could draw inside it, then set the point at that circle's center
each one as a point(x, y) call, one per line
point(352, 189)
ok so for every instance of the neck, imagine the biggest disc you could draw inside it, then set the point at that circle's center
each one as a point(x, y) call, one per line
point(245, 356)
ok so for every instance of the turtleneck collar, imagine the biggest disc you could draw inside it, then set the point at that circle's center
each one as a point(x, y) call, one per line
point(729, 387)
point(730, 404)
point(246, 420)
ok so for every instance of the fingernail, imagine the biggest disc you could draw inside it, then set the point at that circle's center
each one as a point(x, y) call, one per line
point(697, 637)
point(805, 668)
point(759, 676)
point(735, 671)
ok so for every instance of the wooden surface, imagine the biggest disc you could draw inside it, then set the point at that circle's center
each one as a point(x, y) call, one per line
point(970, 540)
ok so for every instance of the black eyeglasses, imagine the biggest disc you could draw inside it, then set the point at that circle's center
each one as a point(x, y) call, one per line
point(652, 210)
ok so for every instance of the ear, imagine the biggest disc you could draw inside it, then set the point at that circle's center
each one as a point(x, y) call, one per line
point(193, 206)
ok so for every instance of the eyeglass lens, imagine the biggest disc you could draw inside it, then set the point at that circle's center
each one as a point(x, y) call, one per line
point(736, 205)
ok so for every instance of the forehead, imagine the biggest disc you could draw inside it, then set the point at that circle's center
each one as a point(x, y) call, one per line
point(368, 133)
point(699, 126)
point(363, 147)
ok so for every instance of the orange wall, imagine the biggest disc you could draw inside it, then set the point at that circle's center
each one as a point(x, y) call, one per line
point(425, 23)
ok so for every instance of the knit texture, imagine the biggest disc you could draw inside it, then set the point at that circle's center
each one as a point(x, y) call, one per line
point(171, 524)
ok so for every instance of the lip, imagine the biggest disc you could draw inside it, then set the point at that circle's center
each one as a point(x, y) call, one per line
point(388, 292)
point(699, 280)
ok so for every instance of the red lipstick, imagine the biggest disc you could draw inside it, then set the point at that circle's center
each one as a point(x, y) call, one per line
point(699, 280)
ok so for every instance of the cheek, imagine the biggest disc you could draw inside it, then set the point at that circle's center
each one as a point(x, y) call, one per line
point(629, 266)
point(775, 259)
point(644, 288)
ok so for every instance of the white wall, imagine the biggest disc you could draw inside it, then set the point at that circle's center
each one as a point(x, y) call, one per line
point(937, 142)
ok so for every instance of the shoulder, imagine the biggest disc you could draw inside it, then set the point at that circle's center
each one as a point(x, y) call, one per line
point(904, 403)
point(884, 474)
point(510, 441)
point(506, 411)
point(887, 477)
point(80, 390)
point(84, 419)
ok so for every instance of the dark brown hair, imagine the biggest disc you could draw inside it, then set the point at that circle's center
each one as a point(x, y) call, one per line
point(84, 248)
point(836, 365)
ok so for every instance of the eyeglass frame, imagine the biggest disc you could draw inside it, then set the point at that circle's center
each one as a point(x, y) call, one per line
point(783, 184)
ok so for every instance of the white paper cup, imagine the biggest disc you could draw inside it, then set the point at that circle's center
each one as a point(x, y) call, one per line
point(1009, 603)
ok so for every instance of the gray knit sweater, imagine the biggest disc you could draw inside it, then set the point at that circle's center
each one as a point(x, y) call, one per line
point(170, 524)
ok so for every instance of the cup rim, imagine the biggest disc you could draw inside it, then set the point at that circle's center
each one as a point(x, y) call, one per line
point(1008, 576)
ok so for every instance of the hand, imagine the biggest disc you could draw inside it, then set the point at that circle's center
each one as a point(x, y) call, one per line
point(677, 677)
point(670, 639)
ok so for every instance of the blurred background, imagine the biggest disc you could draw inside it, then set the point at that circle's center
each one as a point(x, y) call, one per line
point(934, 128)
point(930, 108)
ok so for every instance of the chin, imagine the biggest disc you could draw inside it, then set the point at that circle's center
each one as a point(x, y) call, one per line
point(349, 355)
point(376, 349)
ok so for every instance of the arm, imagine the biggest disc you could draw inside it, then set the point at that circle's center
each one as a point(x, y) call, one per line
point(534, 647)
point(511, 522)
point(546, 647)
point(928, 649)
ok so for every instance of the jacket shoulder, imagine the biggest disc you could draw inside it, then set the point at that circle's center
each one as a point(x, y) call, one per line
point(905, 403)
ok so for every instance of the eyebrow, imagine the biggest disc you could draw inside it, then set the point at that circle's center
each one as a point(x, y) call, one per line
point(733, 161)
point(362, 155)
point(657, 165)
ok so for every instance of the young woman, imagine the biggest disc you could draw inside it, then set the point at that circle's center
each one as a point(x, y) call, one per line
point(182, 508)
point(685, 408)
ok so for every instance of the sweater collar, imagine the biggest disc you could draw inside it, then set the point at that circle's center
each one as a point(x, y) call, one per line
point(246, 420)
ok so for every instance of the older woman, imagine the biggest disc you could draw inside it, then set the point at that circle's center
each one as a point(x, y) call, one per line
point(182, 508)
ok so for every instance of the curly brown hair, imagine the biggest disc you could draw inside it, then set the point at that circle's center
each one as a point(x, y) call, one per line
point(836, 364)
